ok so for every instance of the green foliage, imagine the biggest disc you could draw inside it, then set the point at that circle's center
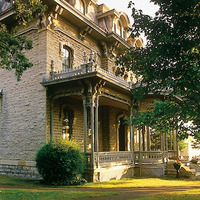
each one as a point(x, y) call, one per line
point(168, 65)
point(182, 145)
point(27, 10)
point(60, 162)
point(12, 46)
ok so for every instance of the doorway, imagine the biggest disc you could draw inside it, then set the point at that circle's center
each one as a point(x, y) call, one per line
point(122, 135)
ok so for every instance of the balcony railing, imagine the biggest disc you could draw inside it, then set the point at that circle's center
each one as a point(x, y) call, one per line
point(85, 69)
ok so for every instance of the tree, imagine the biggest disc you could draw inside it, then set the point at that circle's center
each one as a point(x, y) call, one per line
point(168, 65)
point(12, 46)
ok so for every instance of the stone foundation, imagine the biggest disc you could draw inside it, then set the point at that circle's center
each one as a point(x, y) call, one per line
point(113, 173)
point(150, 170)
point(22, 169)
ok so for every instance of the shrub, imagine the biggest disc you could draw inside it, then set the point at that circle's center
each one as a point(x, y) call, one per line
point(60, 162)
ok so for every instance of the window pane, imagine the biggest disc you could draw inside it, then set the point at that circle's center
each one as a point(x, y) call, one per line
point(80, 6)
point(119, 28)
point(66, 59)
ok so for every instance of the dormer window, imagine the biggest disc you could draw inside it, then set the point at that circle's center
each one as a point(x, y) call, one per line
point(67, 58)
point(80, 6)
point(119, 28)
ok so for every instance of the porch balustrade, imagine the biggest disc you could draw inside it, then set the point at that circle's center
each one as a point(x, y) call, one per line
point(107, 159)
point(84, 69)
point(172, 154)
point(150, 156)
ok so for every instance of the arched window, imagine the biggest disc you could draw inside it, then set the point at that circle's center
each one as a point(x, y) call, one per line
point(67, 58)
point(80, 6)
point(119, 28)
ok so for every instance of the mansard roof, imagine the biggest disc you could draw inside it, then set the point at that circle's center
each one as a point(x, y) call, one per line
point(100, 19)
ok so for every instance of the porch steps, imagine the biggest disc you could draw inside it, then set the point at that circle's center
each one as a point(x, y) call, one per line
point(170, 171)
point(196, 168)
point(185, 171)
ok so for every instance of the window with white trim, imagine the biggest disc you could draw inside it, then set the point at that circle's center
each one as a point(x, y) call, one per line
point(67, 58)
point(80, 6)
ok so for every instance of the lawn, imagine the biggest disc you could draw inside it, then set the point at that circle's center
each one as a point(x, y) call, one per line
point(10, 188)
point(23, 189)
point(144, 182)
point(185, 195)
point(132, 182)
point(34, 194)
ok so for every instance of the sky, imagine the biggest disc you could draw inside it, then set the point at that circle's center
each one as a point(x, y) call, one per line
point(121, 5)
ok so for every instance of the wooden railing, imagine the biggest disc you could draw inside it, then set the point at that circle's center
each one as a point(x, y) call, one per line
point(150, 156)
point(172, 154)
point(107, 159)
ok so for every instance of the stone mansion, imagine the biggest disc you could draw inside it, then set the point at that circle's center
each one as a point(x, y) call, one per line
point(72, 91)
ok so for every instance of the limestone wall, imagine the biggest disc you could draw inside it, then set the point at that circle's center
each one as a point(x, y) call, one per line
point(23, 107)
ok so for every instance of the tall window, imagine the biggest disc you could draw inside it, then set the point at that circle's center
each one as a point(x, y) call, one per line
point(67, 123)
point(80, 6)
point(67, 58)
point(119, 28)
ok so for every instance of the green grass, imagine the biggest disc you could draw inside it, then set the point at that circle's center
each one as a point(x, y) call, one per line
point(34, 194)
point(134, 182)
point(184, 195)
point(35, 190)
point(11, 181)
point(144, 182)
point(23, 189)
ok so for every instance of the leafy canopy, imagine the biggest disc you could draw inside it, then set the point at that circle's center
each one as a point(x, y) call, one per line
point(12, 46)
point(168, 65)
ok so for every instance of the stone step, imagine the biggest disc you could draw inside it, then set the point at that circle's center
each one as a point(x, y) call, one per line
point(198, 174)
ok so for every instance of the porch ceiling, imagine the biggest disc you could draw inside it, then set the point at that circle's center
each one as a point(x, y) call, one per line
point(104, 101)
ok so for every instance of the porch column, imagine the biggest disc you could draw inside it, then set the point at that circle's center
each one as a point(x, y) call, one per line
point(140, 141)
point(163, 141)
point(132, 142)
point(170, 147)
point(166, 142)
point(96, 124)
point(140, 154)
point(143, 138)
point(176, 143)
point(148, 139)
point(92, 123)
point(85, 123)
point(51, 116)
point(174, 139)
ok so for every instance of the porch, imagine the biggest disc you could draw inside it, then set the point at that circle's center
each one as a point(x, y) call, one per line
point(89, 105)
point(104, 166)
